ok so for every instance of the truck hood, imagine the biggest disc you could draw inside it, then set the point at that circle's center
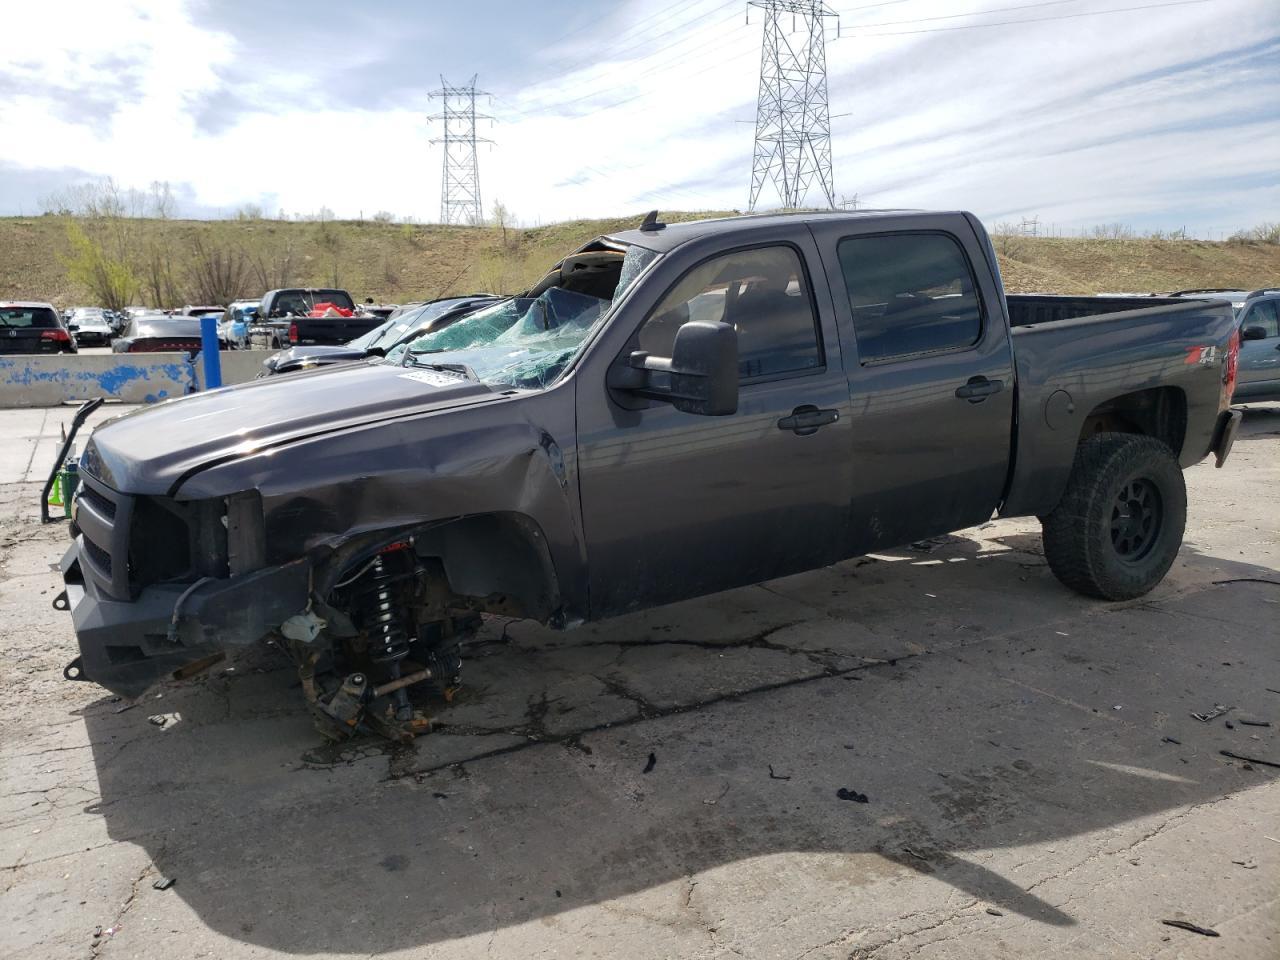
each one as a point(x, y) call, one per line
point(153, 449)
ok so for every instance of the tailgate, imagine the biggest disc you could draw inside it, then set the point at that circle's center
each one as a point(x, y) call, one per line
point(26, 340)
point(313, 331)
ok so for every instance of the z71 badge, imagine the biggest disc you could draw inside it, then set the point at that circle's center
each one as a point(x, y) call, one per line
point(1205, 356)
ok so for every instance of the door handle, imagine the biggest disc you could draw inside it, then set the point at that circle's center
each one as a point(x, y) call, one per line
point(806, 420)
point(978, 389)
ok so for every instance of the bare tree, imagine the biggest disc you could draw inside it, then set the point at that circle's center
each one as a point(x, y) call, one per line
point(216, 273)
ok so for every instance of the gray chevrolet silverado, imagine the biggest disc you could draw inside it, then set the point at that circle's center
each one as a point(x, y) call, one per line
point(671, 411)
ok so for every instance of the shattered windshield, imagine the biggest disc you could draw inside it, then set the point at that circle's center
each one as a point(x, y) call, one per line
point(522, 342)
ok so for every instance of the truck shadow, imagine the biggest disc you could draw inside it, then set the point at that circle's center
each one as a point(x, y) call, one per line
point(977, 705)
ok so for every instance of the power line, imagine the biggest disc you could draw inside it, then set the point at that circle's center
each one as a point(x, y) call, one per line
point(793, 122)
point(972, 13)
point(1008, 23)
point(460, 200)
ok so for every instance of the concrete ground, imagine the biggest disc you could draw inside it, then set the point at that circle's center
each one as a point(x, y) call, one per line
point(666, 784)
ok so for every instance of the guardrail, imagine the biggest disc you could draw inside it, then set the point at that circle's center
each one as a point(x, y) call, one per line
point(49, 380)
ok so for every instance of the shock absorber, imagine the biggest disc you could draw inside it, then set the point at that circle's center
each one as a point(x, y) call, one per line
point(382, 619)
point(388, 638)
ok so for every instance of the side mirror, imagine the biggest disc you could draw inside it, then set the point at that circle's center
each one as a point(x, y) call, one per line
point(700, 377)
point(1253, 333)
point(73, 327)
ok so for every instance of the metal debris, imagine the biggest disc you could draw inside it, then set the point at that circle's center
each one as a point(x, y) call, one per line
point(1254, 723)
point(1170, 740)
point(844, 793)
point(1217, 711)
point(653, 762)
point(720, 796)
point(994, 912)
point(163, 883)
point(1194, 928)
point(158, 720)
point(1236, 756)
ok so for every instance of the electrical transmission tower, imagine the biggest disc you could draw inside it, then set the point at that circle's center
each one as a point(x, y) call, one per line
point(793, 120)
point(460, 183)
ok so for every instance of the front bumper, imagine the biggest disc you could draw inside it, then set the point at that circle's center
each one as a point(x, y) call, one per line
point(128, 646)
point(1224, 435)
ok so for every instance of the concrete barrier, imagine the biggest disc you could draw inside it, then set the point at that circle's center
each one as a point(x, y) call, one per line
point(238, 366)
point(48, 380)
point(52, 379)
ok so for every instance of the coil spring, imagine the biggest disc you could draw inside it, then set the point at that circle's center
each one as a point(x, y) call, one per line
point(388, 638)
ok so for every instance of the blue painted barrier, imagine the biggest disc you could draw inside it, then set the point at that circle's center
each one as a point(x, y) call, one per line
point(52, 379)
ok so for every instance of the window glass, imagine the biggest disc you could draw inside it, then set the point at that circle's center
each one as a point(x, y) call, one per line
point(762, 293)
point(909, 293)
point(1263, 314)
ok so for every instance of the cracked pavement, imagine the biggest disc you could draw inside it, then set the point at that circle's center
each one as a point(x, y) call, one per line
point(1036, 786)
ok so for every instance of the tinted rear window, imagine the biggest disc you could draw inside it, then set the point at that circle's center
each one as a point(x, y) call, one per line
point(909, 293)
point(301, 301)
point(28, 317)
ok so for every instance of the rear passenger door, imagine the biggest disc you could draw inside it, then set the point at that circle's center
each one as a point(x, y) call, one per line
point(930, 370)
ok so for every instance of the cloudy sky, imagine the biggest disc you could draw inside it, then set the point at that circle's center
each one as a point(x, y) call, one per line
point(1078, 112)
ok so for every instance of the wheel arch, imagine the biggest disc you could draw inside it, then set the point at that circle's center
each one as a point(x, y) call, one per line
point(1159, 412)
point(496, 562)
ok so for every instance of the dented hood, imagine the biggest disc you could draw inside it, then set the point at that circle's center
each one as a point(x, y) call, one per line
point(153, 449)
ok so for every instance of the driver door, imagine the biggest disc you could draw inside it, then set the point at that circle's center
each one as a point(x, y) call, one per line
point(679, 505)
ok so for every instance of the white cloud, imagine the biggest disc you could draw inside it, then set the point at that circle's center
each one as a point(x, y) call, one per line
point(641, 110)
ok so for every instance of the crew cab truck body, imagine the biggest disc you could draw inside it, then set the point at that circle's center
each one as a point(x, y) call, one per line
point(669, 412)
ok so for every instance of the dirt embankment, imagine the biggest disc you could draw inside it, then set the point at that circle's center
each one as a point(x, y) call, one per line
point(397, 262)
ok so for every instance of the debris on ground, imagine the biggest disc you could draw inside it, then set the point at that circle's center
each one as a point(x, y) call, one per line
point(1254, 723)
point(718, 797)
point(1217, 711)
point(1236, 756)
point(1170, 740)
point(653, 762)
point(158, 720)
point(844, 793)
point(163, 883)
point(1247, 864)
point(777, 776)
point(994, 912)
point(1194, 928)
point(911, 853)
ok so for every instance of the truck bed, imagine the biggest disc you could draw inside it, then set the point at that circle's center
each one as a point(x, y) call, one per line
point(1072, 353)
point(1027, 310)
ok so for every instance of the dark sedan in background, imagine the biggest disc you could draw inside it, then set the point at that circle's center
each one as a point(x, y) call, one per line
point(28, 326)
point(156, 332)
point(413, 322)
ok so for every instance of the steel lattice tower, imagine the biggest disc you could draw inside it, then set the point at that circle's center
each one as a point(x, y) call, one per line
point(460, 182)
point(793, 119)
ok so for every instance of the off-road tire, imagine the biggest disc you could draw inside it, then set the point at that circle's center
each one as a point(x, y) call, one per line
point(1094, 543)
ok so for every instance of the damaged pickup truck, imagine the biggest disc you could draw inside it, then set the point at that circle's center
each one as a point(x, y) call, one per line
point(672, 411)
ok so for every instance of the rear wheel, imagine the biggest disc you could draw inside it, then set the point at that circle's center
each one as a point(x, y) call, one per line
point(1118, 527)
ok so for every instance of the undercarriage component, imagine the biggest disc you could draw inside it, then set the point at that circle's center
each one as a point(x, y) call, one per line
point(394, 635)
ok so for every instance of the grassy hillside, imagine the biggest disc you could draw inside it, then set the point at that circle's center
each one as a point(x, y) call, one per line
point(396, 262)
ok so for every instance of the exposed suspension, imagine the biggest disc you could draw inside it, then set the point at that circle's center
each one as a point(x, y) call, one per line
point(382, 615)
